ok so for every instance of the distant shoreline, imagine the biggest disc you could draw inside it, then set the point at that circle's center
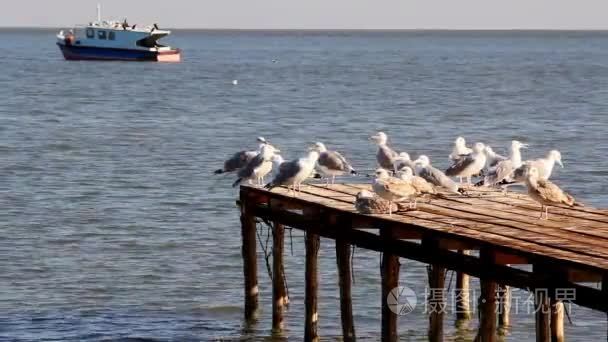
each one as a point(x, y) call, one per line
point(31, 28)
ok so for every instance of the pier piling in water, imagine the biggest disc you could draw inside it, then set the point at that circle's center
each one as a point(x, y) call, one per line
point(312, 242)
point(250, 266)
point(462, 298)
point(279, 293)
point(343, 253)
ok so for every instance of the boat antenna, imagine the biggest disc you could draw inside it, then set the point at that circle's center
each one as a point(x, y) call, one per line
point(98, 12)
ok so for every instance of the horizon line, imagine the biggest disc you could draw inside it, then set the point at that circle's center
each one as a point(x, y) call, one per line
point(332, 29)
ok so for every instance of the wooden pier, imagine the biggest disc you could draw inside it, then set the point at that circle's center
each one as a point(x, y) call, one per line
point(483, 235)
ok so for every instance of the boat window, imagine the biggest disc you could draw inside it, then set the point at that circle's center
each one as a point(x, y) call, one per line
point(101, 34)
point(90, 33)
point(111, 35)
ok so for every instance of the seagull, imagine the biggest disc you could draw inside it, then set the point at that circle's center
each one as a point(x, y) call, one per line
point(258, 167)
point(493, 158)
point(470, 165)
point(385, 155)
point(546, 193)
point(368, 203)
point(543, 165)
point(460, 149)
point(403, 160)
point(332, 163)
point(392, 189)
point(420, 184)
point(435, 176)
point(504, 169)
point(293, 173)
point(240, 159)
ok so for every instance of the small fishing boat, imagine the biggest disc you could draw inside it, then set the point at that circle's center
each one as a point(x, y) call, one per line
point(114, 40)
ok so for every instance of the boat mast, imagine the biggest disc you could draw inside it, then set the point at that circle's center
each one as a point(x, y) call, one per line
point(98, 12)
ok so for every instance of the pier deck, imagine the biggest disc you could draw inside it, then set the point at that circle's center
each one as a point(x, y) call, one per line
point(567, 250)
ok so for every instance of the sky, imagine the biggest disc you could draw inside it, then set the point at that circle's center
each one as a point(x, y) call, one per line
point(315, 14)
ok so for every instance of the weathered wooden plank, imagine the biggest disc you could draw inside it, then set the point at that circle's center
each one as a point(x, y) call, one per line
point(470, 206)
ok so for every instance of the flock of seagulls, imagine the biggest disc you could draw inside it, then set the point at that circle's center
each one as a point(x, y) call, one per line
point(399, 179)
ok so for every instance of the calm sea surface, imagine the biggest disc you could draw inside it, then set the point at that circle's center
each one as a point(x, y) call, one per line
point(112, 225)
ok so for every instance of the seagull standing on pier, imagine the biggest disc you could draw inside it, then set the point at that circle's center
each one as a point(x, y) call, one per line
point(435, 176)
point(460, 149)
point(258, 167)
point(504, 169)
point(544, 166)
point(238, 160)
point(385, 155)
point(369, 203)
point(392, 189)
point(546, 193)
point(470, 165)
point(493, 158)
point(332, 163)
point(293, 173)
point(403, 160)
point(420, 184)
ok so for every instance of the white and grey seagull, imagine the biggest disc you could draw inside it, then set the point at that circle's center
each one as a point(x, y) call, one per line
point(258, 167)
point(504, 170)
point(293, 173)
point(543, 165)
point(385, 155)
point(460, 149)
point(332, 163)
point(434, 176)
point(240, 159)
point(403, 160)
point(493, 158)
point(470, 165)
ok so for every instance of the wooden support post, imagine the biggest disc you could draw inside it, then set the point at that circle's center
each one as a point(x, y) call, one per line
point(557, 320)
point(250, 266)
point(463, 310)
point(504, 309)
point(312, 283)
point(437, 303)
point(487, 304)
point(390, 280)
point(543, 315)
point(343, 250)
point(279, 293)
